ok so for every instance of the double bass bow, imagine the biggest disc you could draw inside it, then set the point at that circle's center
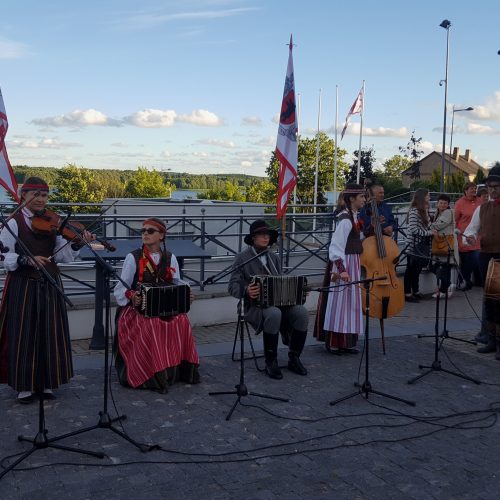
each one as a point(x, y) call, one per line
point(380, 252)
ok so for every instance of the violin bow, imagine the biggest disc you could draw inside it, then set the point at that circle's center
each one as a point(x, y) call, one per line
point(92, 224)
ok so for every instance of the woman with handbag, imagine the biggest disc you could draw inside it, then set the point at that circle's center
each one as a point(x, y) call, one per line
point(418, 233)
point(442, 243)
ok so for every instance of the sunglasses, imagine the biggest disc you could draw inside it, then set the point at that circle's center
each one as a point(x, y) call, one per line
point(149, 230)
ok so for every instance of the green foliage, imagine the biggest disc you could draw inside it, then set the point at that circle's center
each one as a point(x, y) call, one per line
point(307, 167)
point(413, 151)
point(229, 192)
point(455, 183)
point(365, 168)
point(261, 192)
point(479, 178)
point(77, 185)
point(396, 165)
point(147, 184)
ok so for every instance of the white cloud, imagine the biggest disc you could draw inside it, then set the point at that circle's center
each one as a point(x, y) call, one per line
point(353, 129)
point(201, 154)
point(78, 118)
point(428, 147)
point(165, 154)
point(201, 117)
point(41, 143)
point(149, 20)
point(12, 50)
point(276, 118)
point(490, 110)
point(119, 145)
point(266, 141)
point(246, 164)
point(476, 128)
point(152, 118)
point(251, 121)
point(218, 142)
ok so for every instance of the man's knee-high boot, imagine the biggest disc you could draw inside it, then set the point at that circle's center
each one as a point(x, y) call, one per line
point(297, 341)
point(271, 355)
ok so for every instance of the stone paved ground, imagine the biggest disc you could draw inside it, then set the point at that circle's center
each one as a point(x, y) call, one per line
point(269, 449)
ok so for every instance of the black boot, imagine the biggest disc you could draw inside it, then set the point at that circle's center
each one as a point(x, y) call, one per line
point(497, 355)
point(297, 341)
point(482, 337)
point(271, 355)
point(491, 346)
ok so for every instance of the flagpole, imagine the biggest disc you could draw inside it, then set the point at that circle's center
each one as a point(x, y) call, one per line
point(335, 149)
point(295, 188)
point(360, 134)
point(317, 161)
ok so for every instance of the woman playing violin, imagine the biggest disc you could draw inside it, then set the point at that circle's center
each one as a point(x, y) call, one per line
point(153, 352)
point(30, 308)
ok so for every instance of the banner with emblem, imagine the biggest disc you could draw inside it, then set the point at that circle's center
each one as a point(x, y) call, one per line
point(286, 144)
point(7, 179)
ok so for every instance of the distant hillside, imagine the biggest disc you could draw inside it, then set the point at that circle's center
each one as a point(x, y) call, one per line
point(182, 180)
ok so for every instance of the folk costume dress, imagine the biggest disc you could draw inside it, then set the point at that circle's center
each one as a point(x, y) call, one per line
point(152, 353)
point(339, 317)
point(33, 313)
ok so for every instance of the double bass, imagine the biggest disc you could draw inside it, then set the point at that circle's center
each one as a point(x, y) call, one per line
point(380, 252)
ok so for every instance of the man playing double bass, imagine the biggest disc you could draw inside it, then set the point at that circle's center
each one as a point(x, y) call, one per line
point(376, 192)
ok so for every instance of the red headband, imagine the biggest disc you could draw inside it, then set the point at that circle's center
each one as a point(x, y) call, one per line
point(353, 191)
point(35, 187)
point(158, 226)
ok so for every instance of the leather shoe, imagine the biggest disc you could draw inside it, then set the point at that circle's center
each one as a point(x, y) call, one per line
point(350, 350)
point(273, 370)
point(26, 400)
point(49, 396)
point(296, 366)
point(482, 338)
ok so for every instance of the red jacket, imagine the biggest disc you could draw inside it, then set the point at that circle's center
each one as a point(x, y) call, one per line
point(464, 209)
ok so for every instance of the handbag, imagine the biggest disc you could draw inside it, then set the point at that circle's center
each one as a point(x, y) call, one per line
point(422, 249)
point(441, 243)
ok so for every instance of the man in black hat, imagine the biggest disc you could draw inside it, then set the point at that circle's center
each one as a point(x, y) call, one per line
point(290, 320)
point(485, 224)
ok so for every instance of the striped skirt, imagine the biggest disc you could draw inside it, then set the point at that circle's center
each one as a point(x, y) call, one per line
point(35, 335)
point(339, 317)
point(152, 347)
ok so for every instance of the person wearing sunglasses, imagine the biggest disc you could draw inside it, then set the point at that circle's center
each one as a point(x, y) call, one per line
point(152, 352)
point(484, 224)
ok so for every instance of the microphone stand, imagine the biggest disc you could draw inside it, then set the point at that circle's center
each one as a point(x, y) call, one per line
point(366, 387)
point(444, 334)
point(105, 420)
point(439, 338)
point(41, 441)
point(241, 389)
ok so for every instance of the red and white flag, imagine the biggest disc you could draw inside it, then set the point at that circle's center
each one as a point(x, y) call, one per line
point(286, 144)
point(7, 179)
point(356, 108)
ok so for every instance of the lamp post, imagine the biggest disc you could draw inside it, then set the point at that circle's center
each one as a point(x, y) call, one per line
point(446, 25)
point(451, 135)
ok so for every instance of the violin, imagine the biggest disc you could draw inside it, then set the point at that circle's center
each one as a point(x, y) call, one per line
point(50, 222)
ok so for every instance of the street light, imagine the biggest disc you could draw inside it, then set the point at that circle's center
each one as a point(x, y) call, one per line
point(451, 135)
point(446, 25)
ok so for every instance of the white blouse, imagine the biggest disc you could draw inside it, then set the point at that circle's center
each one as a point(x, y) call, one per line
point(128, 273)
point(66, 254)
point(339, 238)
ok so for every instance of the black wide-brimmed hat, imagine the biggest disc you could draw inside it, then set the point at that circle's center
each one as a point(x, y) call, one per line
point(493, 174)
point(261, 226)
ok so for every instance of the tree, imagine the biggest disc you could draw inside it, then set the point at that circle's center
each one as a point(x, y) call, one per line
point(147, 184)
point(366, 166)
point(307, 166)
point(77, 185)
point(395, 166)
point(261, 192)
point(479, 178)
point(413, 151)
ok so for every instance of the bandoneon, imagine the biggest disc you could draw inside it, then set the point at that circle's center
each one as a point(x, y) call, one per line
point(280, 290)
point(164, 300)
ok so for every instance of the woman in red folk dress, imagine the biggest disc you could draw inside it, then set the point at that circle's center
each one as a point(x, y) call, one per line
point(152, 353)
point(339, 317)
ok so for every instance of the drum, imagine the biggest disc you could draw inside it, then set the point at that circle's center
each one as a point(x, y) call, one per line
point(492, 283)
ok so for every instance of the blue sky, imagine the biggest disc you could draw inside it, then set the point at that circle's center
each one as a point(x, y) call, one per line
point(196, 86)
